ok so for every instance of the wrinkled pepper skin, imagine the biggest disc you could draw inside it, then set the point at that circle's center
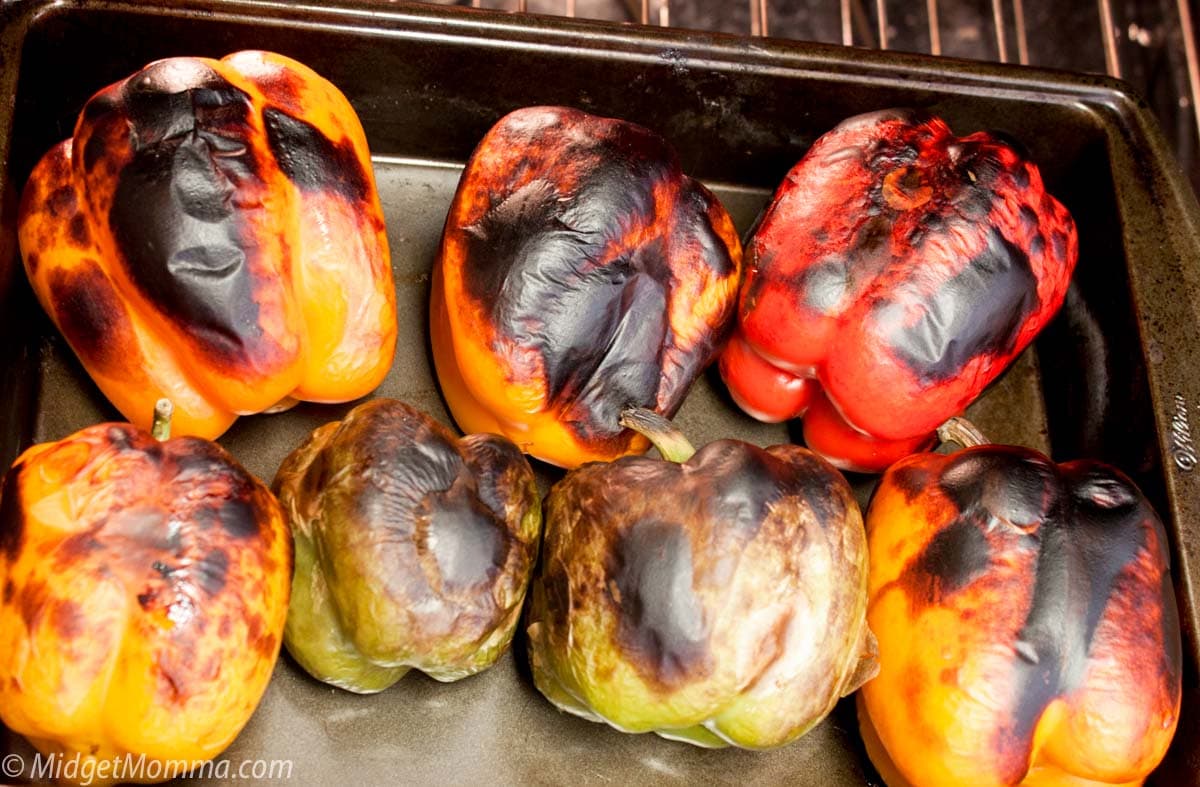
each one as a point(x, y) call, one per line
point(1027, 625)
point(896, 273)
point(413, 548)
point(145, 588)
point(718, 602)
point(580, 272)
point(211, 233)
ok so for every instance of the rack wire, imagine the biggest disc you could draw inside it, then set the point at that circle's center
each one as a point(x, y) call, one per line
point(1150, 43)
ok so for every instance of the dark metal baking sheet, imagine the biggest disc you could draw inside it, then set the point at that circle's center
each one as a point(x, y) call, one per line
point(1116, 376)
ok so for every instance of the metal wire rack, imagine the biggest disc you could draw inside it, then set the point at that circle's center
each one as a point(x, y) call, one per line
point(1149, 43)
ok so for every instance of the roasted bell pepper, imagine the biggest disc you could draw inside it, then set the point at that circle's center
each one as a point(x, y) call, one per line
point(413, 548)
point(720, 601)
point(1027, 625)
point(580, 272)
point(145, 587)
point(897, 272)
point(212, 233)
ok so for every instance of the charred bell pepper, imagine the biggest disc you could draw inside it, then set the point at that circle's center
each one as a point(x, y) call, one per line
point(413, 547)
point(718, 599)
point(897, 272)
point(212, 233)
point(580, 272)
point(1027, 623)
point(145, 587)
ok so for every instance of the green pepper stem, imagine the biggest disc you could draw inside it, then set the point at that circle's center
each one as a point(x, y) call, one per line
point(665, 435)
point(160, 427)
point(960, 430)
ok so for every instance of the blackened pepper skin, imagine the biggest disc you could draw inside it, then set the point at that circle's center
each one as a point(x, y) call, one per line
point(720, 601)
point(897, 272)
point(1026, 622)
point(413, 547)
point(145, 587)
point(211, 232)
point(580, 272)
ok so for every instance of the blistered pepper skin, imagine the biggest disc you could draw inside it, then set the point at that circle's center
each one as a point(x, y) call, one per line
point(1027, 624)
point(718, 602)
point(580, 272)
point(414, 548)
point(212, 233)
point(896, 273)
point(145, 587)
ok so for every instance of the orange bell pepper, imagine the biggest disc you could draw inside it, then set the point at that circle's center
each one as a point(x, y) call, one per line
point(1027, 626)
point(145, 588)
point(212, 233)
point(581, 272)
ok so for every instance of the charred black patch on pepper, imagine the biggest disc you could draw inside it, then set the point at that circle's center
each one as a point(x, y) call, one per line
point(956, 556)
point(558, 292)
point(91, 316)
point(584, 272)
point(12, 515)
point(740, 483)
point(1020, 176)
point(1085, 525)
point(283, 86)
point(661, 626)
point(174, 219)
point(468, 541)
point(78, 229)
point(980, 311)
point(824, 284)
point(912, 480)
point(1029, 219)
point(212, 571)
point(1058, 241)
point(9, 590)
point(97, 106)
point(96, 147)
point(987, 485)
point(491, 460)
point(1013, 485)
point(62, 202)
point(238, 518)
point(311, 160)
point(199, 460)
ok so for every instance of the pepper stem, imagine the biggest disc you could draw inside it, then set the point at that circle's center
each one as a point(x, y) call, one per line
point(960, 430)
point(160, 428)
point(665, 435)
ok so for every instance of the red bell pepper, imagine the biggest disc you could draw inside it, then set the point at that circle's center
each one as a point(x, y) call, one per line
point(897, 272)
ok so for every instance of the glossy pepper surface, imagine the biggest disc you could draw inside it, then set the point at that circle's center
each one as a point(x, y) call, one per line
point(580, 272)
point(898, 270)
point(212, 233)
point(145, 587)
point(720, 601)
point(1027, 625)
point(413, 547)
